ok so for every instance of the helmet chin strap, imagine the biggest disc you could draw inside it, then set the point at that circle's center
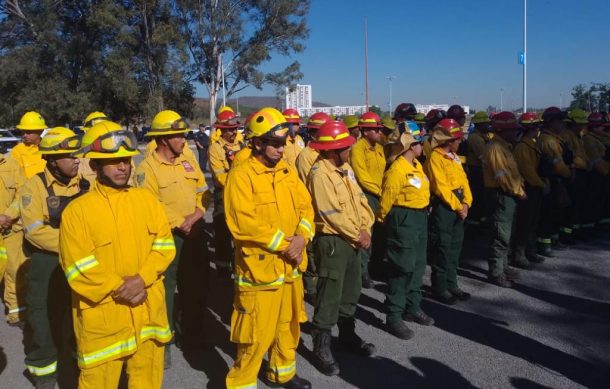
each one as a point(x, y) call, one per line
point(57, 173)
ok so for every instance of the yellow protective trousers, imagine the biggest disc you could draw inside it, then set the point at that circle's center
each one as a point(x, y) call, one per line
point(144, 370)
point(3, 258)
point(15, 277)
point(266, 321)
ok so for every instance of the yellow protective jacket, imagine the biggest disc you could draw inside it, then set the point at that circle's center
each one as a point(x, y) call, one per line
point(369, 164)
point(305, 161)
point(105, 235)
point(341, 206)
point(35, 210)
point(152, 145)
point(527, 156)
point(447, 175)
point(551, 148)
point(12, 179)
point(500, 169)
point(29, 159)
point(404, 185)
point(263, 207)
point(575, 144)
point(596, 150)
point(179, 186)
point(476, 148)
point(293, 148)
point(220, 157)
point(242, 155)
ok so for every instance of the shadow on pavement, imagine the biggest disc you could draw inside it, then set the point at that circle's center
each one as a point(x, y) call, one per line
point(524, 383)
point(438, 375)
point(491, 333)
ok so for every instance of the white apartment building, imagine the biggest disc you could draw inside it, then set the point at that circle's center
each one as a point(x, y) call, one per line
point(337, 110)
point(300, 97)
point(425, 108)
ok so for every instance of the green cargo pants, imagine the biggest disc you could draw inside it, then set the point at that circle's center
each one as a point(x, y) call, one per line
point(339, 280)
point(310, 277)
point(377, 252)
point(407, 231)
point(446, 237)
point(502, 213)
point(49, 324)
point(223, 246)
point(189, 272)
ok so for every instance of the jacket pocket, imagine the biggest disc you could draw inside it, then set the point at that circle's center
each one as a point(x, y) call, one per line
point(243, 319)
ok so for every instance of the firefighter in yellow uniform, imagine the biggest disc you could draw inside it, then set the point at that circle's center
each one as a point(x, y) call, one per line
point(450, 204)
point(343, 226)
point(27, 160)
point(221, 155)
point(527, 156)
point(308, 156)
point(26, 152)
point(304, 162)
point(404, 204)
point(368, 161)
point(246, 151)
point(504, 186)
point(11, 178)
point(270, 216)
point(477, 140)
point(43, 199)
point(594, 141)
point(576, 122)
point(554, 204)
point(115, 244)
point(178, 183)
point(294, 142)
point(84, 168)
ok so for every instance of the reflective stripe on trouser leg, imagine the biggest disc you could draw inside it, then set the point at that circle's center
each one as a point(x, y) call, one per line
point(15, 277)
point(282, 355)
point(254, 326)
point(144, 369)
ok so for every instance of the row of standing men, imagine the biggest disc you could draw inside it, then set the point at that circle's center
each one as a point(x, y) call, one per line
point(346, 201)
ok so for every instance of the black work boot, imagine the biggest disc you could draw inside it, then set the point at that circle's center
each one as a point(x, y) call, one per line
point(418, 317)
point(295, 382)
point(511, 274)
point(350, 340)
point(399, 330)
point(324, 359)
point(501, 281)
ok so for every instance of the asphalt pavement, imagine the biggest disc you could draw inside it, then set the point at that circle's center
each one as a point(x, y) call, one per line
point(551, 331)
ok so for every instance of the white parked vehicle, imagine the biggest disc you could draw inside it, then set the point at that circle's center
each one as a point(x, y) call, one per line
point(7, 141)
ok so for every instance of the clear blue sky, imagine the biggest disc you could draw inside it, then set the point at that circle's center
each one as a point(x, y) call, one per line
point(452, 51)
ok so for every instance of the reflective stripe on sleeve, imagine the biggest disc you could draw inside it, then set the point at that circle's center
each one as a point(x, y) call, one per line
point(306, 225)
point(163, 334)
point(201, 189)
point(276, 240)
point(80, 267)
point(3, 254)
point(164, 244)
point(33, 226)
point(243, 281)
point(17, 310)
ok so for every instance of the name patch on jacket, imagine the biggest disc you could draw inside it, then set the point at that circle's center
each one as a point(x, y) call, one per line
point(187, 166)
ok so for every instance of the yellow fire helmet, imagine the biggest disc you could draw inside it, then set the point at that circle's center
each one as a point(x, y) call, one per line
point(269, 123)
point(94, 118)
point(32, 121)
point(108, 140)
point(168, 123)
point(59, 140)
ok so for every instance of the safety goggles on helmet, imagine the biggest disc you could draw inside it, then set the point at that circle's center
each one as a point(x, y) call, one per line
point(68, 144)
point(279, 131)
point(94, 121)
point(178, 124)
point(112, 142)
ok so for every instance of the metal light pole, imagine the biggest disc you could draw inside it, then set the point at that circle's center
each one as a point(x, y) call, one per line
point(224, 92)
point(524, 56)
point(390, 78)
point(366, 65)
point(501, 99)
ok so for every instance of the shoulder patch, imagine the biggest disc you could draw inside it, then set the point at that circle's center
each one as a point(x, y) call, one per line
point(26, 199)
point(140, 177)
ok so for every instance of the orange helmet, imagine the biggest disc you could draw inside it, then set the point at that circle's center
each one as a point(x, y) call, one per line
point(292, 115)
point(369, 120)
point(505, 121)
point(529, 119)
point(333, 135)
point(316, 120)
point(226, 119)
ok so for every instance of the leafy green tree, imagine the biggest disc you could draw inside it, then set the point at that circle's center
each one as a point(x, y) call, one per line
point(239, 37)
